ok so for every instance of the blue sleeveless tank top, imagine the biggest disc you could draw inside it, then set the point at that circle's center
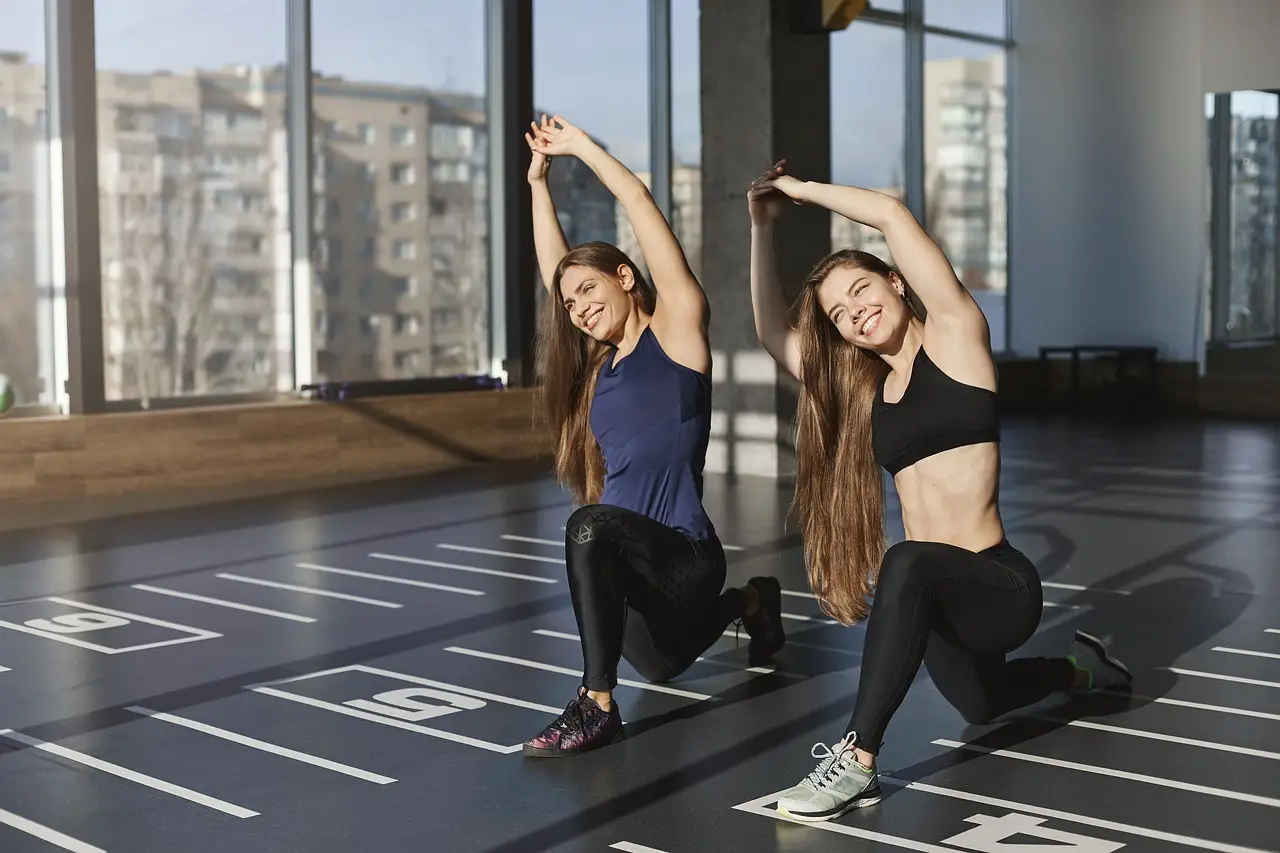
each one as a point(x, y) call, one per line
point(652, 418)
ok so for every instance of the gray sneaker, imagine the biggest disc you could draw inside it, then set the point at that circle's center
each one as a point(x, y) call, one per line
point(1105, 672)
point(838, 784)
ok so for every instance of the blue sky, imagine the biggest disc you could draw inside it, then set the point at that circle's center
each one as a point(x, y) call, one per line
point(590, 61)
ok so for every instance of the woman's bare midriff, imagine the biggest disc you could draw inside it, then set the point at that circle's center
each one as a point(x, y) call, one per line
point(953, 497)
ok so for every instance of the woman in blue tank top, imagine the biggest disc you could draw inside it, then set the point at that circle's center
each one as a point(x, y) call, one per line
point(625, 386)
point(902, 379)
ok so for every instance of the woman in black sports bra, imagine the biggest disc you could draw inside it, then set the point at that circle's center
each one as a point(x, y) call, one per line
point(901, 377)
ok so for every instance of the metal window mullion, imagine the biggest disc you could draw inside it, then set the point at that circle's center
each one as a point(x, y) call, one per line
point(1220, 215)
point(513, 274)
point(76, 262)
point(913, 132)
point(1011, 172)
point(301, 190)
point(660, 157)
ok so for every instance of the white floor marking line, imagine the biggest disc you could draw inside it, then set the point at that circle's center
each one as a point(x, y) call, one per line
point(387, 721)
point(532, 540)
point(1185, 741)
point(308, 590)
point(630, 847)
point(5, 669)
point(800, 594)
point(495, 553)
point(1119, 774)
point(561, 635)
point(274, 749)
point(1063, 606)
point(389, 579)
point(801, 618)
point(1221, 709)
point(1219, 677)
point(193, 634)
point(222, 602)
point(131, 775)
point(1081, 588)
point(757, 807)
point(1027, 808)
point(426, 682)
point(1250, 652)
point(1271, 630)
point(474, 569)
point(577, 673)
point(44, 833)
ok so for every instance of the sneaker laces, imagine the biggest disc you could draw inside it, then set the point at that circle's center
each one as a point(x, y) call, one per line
point(832, 764)
point(574, 718)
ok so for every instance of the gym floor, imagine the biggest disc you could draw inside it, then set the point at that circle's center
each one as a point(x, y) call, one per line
point(356, 670)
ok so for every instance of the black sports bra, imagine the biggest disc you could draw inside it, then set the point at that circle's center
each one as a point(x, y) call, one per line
point(936, 413)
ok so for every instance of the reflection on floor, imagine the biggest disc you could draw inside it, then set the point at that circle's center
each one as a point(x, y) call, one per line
point(356, 671)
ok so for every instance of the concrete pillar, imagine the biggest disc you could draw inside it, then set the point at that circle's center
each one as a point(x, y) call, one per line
point(766, 95)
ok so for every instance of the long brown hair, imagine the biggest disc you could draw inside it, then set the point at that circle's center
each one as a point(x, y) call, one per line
point(839, 495)
point(568, 364)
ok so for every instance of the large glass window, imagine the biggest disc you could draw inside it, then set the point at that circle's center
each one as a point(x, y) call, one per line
point(867, 122)
point(26, 292)
point(194, 205)
point(686, 131)
point(591, 66)
point(1254, 168)
point(984, 17)
point(966, 166)
point(401, 177)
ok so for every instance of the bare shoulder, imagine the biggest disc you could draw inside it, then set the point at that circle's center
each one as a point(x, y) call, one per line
point(962, 351)
point(683, 336)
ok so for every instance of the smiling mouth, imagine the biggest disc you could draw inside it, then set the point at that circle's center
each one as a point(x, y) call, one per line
point(592, 319)
point(871, 323)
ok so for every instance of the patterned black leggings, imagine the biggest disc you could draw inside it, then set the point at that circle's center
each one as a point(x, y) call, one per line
point(643, 591)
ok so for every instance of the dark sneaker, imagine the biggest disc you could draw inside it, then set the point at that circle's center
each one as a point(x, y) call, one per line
point(582, 727)
point(1091, 655)
point(765, 625)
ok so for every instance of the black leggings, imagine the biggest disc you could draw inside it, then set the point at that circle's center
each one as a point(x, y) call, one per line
point(643, 591)
point(960, 612)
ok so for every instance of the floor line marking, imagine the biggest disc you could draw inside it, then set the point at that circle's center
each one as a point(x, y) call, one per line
point(1120, 774)
point(1185, 741)
point(264, 746)
point(307, 590)
point(631, 847)
point(1063, 606)
point(1231, 651)
point(756, 807)
point(131, 775)
point(1082, 588)
point(496, 553)
point(44, 833)
point(1157, 834)
point(561, 635)
point(192, 634)
point(511, 537)
point(801, 618)
point(1271, 630)
point(546, 667)
point(425, 682)
point(1220, 677)
point(532, 540)
point(1200, 706)
point(416, 561)
point(800, 594)
point(388, 721)
point(5, 669)
point(389, 579)
point(222, 602)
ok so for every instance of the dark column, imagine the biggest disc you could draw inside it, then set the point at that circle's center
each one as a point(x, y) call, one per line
point(766, 95)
